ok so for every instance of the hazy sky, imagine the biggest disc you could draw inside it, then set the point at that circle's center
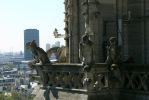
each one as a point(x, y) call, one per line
point(18, 15)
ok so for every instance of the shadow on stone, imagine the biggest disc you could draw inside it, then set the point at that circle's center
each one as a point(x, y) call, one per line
point(55, 93)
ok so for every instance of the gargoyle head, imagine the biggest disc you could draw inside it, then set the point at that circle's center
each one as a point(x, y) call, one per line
point(31, 44)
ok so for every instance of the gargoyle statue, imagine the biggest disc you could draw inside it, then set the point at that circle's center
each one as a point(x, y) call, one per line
point(39, 54)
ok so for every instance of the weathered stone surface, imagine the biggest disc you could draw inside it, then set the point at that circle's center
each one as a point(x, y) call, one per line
point(56, 94)
point(39, 93)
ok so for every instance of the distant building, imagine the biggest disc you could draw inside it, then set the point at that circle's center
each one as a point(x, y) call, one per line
point(29, 35)
point(47, 46)
point(57, 43)
point(53, 45)
point(23, 67)
point(10, 73)
point(6, 83)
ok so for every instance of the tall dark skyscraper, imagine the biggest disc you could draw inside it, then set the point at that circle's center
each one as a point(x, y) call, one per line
point(29, 35)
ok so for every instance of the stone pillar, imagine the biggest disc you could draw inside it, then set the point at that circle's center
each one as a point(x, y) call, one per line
point(69, 17)
point(146, 20)
point(67, 35)
point(136, 31)
point(73, 29)
point(93, 26)
point(124, 15)
point(66, 24)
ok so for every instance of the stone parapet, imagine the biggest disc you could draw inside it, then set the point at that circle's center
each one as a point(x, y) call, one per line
point(65, 81)
point(72, 76)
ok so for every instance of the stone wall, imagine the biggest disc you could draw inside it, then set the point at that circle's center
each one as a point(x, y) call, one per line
point(133, 30)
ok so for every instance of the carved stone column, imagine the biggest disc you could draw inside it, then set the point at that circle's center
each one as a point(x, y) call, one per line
point(73, 29)
point(93, 26)
point(66, 23)
point(67, 34)
point(69, 18)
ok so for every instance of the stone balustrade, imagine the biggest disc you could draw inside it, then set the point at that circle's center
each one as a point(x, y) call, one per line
point(134, 82)
point(135, 77)
point(72, 76)
point(67, 79)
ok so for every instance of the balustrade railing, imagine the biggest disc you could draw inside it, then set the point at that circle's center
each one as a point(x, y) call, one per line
point(135, 77)
point(72, 76)
point(122, 83)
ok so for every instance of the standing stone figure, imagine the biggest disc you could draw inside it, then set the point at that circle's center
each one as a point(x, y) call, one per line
point(113, 52)
point(113, 60)
point(86, 53)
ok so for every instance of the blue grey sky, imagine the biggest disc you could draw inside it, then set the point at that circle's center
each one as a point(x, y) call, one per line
point(18, 15)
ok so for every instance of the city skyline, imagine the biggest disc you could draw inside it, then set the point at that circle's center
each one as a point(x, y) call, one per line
point(16, 16)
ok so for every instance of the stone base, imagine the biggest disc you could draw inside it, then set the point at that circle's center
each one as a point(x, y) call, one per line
point(40, 95)
point(134, 95)
point(78, 95)
point(73, 94)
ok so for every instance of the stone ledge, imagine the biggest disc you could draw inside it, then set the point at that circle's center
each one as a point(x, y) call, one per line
point(71, 94)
